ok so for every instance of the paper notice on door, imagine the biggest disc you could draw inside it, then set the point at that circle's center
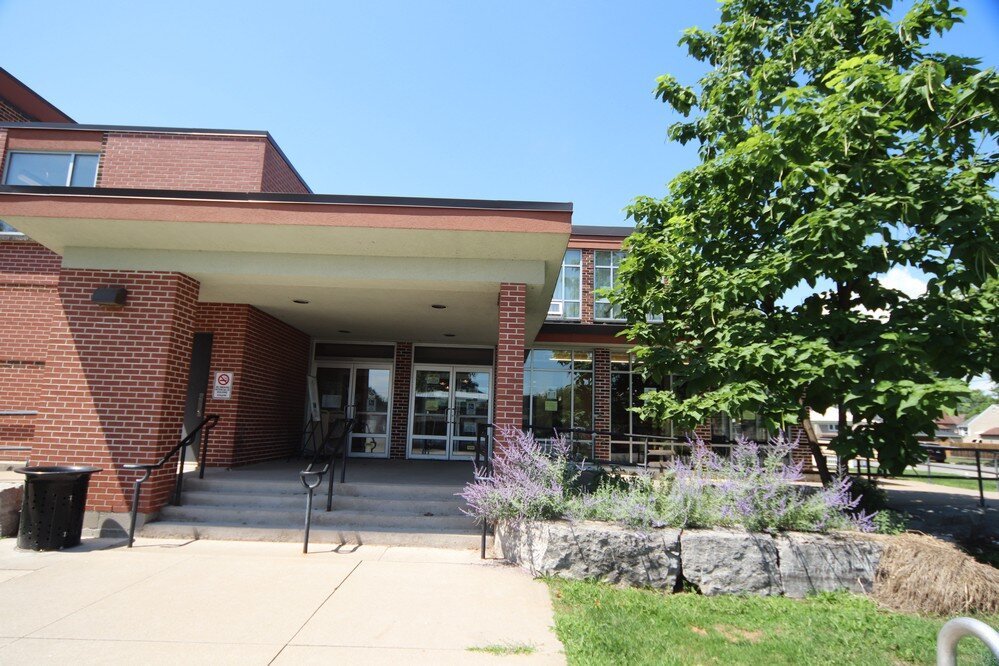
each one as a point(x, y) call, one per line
point(431, 405)
point(331, 401)
point(551, 405)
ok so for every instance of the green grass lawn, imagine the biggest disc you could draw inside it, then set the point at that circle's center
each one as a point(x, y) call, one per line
point(970, 484)
point(600, 624)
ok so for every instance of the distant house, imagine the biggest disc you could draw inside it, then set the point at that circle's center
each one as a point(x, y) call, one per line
point(950, 427)
point(826, 424)
point(983, 427)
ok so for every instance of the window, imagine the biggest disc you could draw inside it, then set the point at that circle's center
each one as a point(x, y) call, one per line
point(627, 387)
point(568, 290)
point(6, 230)
point(558, 389)
point(725, 428)
point(59, 169)
point(605, 267)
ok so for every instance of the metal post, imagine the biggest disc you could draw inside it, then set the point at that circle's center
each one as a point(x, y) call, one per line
point(179, 488)
point(329, 489)
point(308, 520)
point(343, 462)
point(981, 482)
point(485, 530)
point(136, 489)
point(204, 453)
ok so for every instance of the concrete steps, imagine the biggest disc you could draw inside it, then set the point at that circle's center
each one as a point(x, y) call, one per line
point(247, 509)
point(348, 534)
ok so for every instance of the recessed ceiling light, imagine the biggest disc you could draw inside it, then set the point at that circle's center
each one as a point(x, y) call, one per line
point(438, 306)
point(343, 330)
point(449, 335)
point(300, 301)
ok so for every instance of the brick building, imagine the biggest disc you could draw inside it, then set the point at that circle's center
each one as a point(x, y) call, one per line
point(421, 318)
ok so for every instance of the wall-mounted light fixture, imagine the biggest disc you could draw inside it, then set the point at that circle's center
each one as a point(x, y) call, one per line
point(110, 296)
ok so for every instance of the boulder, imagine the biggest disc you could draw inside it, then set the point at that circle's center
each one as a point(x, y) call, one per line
point(593, 551)
point(812, 563)
point(731, 562)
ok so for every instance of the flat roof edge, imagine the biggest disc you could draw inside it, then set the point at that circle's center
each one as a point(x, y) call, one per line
point(604, 230)
point(279, 197)
point(76, 127)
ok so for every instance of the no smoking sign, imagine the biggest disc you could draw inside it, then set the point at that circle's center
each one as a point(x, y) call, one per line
point(222, 389)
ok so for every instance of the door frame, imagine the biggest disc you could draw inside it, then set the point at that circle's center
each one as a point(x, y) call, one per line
point(451, 369)
point(352, 366)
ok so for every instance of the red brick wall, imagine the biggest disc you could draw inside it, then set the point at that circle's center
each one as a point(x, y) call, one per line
point(586, 275)
point(29, 275)
point(117, 379)
point(3, 151)
point(402, 377)
point(278, 175)
point(270, 359)
point(227, 322)
point(182, 161)
point(510, 357)
point(601, 400)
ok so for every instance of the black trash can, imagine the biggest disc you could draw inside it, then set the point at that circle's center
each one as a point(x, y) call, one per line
point(53, 504)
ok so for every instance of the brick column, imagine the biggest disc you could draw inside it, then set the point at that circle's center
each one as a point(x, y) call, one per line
point(117, 379)
point(703, 431)
point(586, 277)
point(402, 377)
point(602, 400)
point(509, 409)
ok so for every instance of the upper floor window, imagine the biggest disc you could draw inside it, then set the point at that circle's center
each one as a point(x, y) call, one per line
point(605, 268)
point(568, 290)
point(59, 169)
point(6, 230)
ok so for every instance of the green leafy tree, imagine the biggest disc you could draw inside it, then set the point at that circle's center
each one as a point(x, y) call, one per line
point(977, 402)
point(834, 147)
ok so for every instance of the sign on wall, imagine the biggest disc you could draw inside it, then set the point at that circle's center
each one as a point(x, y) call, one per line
point(313, 388)
point(222, 388)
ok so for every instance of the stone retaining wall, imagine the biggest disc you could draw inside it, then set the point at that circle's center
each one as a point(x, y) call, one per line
point(718, 561)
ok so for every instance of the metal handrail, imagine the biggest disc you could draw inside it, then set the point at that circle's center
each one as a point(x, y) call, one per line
point(979, 473)
point(956, 629)
point(207, 424)
point(312, 478)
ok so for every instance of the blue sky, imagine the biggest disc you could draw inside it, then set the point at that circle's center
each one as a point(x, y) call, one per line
point(511, 100)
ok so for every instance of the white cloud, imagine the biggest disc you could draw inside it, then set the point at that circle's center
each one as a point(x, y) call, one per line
point(983, 383)
point(902, 279)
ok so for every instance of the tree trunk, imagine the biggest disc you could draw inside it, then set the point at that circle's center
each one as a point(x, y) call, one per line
point(841, 470)
point(821, 465)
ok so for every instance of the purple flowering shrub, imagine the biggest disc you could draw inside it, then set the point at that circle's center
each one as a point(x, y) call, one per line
point(753, 487)
point(757, 488)
point(529, 480)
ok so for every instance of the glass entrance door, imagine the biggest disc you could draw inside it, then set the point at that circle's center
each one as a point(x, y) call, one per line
point(360, 391)
point(448, 404)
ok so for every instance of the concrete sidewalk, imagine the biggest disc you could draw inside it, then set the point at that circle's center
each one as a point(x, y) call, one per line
point(261, 603)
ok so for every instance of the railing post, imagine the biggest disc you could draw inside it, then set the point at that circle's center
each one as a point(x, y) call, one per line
point(204, 452)
point(329, 488)
point(981, 481)
point(179, 487)
point(308, 519)
point(485, 532)
point(136, 490)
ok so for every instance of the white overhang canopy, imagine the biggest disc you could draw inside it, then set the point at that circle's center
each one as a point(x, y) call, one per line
point(374, 270)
